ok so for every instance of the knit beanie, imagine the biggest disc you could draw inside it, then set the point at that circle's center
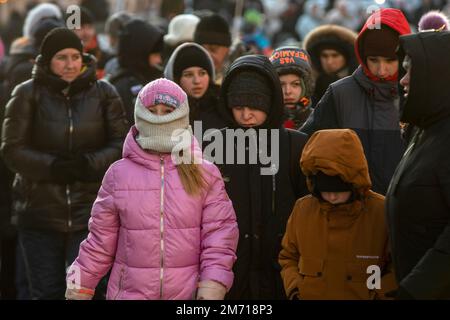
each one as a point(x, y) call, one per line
point(191, 56)
point(250, 89)
point(293, 60)
point(181, 29)
point(380, 42)
point(326, 183)
point(57, 40)
point(156, 131)
point(286, 57)
point(213, 29)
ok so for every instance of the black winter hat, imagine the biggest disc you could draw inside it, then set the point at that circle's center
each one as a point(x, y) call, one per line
point(213, 29)
point(191, 56)
point(326, 183)
point(57, 40)
point(250, 89)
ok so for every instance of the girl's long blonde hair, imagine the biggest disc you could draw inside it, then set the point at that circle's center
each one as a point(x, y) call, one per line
point(191, 177)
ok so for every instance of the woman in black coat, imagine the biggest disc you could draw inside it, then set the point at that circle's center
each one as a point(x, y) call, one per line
point(252, 105)
point(62, 130)
point(418, 198)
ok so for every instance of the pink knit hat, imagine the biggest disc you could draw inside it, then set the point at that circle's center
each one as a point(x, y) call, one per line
point(162, 91)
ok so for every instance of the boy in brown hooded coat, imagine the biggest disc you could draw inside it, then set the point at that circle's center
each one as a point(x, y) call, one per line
point(336, 240)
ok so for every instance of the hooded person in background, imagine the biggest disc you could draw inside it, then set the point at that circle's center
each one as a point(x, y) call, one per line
point(367, 101)
point(332, 53)
point(113, 26)
point(337, 232)
point(192, 68)
point(213, 33)
point(140, 46)
point(418, 199)
point(88, 36)
point(430, 21)
point(251, 104)
point(20, 61)
point(62, 130)
point(294, 69)
point(38, 13)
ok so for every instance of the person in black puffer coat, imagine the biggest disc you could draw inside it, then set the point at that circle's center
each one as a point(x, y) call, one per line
point(418, 198)
point(62, 129)
point(139, 53)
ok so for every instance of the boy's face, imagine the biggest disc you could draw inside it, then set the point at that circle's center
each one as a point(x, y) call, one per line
point(331, 61)
point(292, 89)
point(336, 197)
point(382, 67)
point(249, 117)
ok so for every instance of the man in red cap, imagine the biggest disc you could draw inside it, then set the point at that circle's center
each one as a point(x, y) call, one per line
point(367, 101)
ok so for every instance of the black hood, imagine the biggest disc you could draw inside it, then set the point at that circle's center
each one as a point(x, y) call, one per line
point(429, 95)
point(137, 40)
point(42, 75)
point(262, 65)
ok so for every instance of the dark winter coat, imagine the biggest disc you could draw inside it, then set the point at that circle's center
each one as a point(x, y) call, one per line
point(137, 40)
point(128, 82)
point(262, 203)
point(16, 69)
point(41, 124)
point(418, 199)
point(369, 107)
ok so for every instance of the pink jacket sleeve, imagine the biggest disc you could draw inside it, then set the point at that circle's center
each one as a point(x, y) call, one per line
point(97, 252)
point(219, 233)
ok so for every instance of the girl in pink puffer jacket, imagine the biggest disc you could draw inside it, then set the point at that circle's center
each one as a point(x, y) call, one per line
point(167, 229)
